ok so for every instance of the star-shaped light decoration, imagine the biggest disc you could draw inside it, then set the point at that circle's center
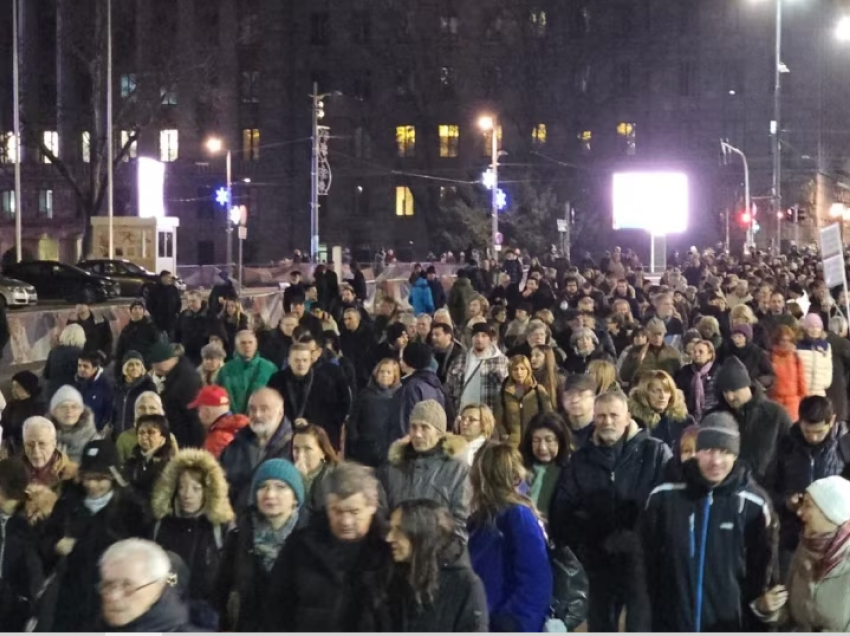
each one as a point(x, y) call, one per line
point(222, 196)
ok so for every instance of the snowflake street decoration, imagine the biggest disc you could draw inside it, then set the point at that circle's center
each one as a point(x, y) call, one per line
point(222, 196)
point(325, 176)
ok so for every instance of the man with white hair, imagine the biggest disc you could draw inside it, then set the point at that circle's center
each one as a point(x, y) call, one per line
point(137, 589)
point(48, 468)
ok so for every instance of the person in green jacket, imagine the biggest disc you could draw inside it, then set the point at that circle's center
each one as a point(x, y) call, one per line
point(245, 373)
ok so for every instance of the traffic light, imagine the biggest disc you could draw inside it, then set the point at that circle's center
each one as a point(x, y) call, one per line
point(744, 218)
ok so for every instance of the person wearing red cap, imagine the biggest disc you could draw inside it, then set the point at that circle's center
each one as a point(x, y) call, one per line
point(220, 424)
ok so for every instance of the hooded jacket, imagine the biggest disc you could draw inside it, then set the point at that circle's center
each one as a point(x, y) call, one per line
point(73, 439)
point(789, 387)
point(373, 425)
point(667, 426)
point(709, 552)
point(99, 395)
point(816, 357)
point(197, 540)
point(241, 377)
point(421, 299)
point(440, 475)
point(417, 387)
point(124, 407)
point(222, 432)
point(493, 370)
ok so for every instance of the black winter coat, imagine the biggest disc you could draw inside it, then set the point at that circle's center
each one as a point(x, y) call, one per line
point(241, 457)
point(169, 614)
point(438, 293)
point(60, 368)
point(195, 541)
point(837, 391)
point(684, 381)
point(360, 347)
point(373, 424)
point(193, 332)
point(142, 473)
point(181, 387)
point(723, 537)
point(577, 363)
point(14, 415)
point(274, 346)
point(231, 328)
point(21, 572)
point(797, 464)
point(164, 304)
point(320, 584)
point(141, 336)
point(600, 495)
point(98, 334)
point(124, 406)
point(762, 423)
point(756, 360)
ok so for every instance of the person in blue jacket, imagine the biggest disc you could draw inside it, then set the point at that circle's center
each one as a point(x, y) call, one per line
point(507, 544)
point(96, 387)
point(421, 298)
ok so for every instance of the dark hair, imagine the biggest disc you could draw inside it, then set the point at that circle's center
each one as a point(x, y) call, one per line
point(551, 422)
point(815, 409)
point(306, 338)
point(429, 528)
point(446, 329)
point(321, 438)
point(96, 358)
point(297, 299)
point(156, 420)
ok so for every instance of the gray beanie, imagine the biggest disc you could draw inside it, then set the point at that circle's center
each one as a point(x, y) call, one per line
point(66, 393)
point(430, 412)
point(719, 431)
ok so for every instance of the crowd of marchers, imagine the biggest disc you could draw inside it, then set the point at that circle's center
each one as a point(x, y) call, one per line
point(538, 444)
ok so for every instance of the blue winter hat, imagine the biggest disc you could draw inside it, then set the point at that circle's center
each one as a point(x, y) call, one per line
point(280, 470)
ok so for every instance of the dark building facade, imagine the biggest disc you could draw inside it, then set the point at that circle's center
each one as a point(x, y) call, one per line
point(580, 88)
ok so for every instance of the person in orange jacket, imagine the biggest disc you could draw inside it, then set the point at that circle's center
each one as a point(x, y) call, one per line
point(790, 385)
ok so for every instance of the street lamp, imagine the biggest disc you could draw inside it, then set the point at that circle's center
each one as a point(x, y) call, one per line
point(318, 146)
point(488, 123)
point(727, 149)
point(842, 30)
point(215, 145)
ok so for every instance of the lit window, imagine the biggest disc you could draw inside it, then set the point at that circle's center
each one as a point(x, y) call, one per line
point(405, 138)
point(487, 149)
point(448, 25)
point(8, 147)
point(168, 96)
point(128, 85)
point(251, 144)
point(585, 137)
point(538, 23)
point(403, 201)
point(86, 147)
point(7, 202)
point(51, 142)
point(538, 135)
point(45, 203)
point(626, 133)
point(169, 148)
point(132, 151)
point(448, 140)
point(250, 89)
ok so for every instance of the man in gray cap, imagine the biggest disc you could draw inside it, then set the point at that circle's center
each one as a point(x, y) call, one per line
point(710, 541)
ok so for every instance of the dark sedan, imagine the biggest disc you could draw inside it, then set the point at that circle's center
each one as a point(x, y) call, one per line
point(58, 281)
point(134, 279)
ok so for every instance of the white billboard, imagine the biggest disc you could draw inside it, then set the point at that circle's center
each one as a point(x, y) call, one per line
point(151, 185)
point(657, 202)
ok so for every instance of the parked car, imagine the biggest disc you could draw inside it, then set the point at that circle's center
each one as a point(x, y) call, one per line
point(16, 293)
point(134, 279)
point(58, 281)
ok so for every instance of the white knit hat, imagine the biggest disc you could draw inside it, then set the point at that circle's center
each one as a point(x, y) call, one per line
point(832, 496)
point(66, 393)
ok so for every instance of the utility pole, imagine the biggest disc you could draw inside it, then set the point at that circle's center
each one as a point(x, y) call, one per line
point(229, 215)
point(726, 147)
point(110, 142)
point(727, 244)
point(777, 127)
point(494, 200)
point(16, 98)
point(314, 176)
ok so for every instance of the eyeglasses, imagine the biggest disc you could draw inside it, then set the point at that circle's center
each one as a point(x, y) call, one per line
point(124, 588)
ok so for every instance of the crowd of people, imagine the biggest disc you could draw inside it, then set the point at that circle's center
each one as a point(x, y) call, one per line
point(536, 445)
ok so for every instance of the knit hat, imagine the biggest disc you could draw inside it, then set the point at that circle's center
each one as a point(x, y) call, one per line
point(656, 325)
point(832, 496)
point(160, 352)
point(395, 331)
point(733, 375)
point(417, 355)
point(745, 330)
point(139, 302)
point(429, 412)
point(99, 457)
point(66, 393)
point(812, 321)
point(691, 335)
point(279, 470)
point(482, 327)
point(719, 430)
point(132, 355)
point(28, 382)
point(13, 479)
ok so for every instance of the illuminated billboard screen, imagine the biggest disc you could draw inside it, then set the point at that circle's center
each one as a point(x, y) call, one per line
point(653, 201)
point(151, 188)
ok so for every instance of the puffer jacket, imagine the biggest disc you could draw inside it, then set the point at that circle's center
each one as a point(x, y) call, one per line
point(667, 426)
point(241, 378)
point(373, 424)
point(708, 552)
point(420, 297)
point(816, 356)
point(513, 413)
point(789, 388)
point(222, 432)
point(72, 440)
point(440, 475)
point(818, 605)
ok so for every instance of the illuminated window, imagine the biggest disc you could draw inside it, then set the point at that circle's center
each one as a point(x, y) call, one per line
point(168, 96)
point(626, 134)
point(45, 203)
point(403, 201)
point(51, 142)
point(8, 147)
point(251, 144)
point(133, 150)
point(169, 145)
point(86, 147)
point(585, 137)
point(487, 149)
point(449, 135)
point(538, 135)
point(405, 138)
point(7, 202)
point(538, 23)
point(128, 85)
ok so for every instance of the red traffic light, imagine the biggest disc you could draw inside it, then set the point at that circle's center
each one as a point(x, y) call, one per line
point(746, 218)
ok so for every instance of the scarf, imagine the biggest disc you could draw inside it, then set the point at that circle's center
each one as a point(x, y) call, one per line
point(699, 390)
point(824, 552)
point(95, 505)
point(268, 541)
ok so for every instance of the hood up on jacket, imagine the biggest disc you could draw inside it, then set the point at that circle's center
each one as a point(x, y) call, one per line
point(451, 446)
point(216, 508)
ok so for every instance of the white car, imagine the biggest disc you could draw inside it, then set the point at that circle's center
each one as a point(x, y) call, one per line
point(16, 293)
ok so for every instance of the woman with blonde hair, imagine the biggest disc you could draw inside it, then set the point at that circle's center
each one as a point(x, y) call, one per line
point(476, 312)
point(373, 424)
point(234, 320)
point(546, 316)
point(546, 371)
point(604, 373)
point(520, 399)
point(475, 424)
point(61, 366)
point(657, 405)
point(743, 315)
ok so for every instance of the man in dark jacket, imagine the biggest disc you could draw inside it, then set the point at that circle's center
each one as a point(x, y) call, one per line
point(164, 303)
point(97, 328)
point(182, 384)
point(438, 292)
point(305, 318)
point(333, 575)
point(295, 289)
point(275, 343)
point(710, 540)
point(762, 422)
point(596, 508)
point(446, 349)
point(140, 334)
point(419, 384)
point(358, 344)
point(348, 300)
point(96, 387)
point(193, 327)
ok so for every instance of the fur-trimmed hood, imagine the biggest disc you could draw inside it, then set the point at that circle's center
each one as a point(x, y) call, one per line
point(451, 446)
point(640, 409)
point(217, 507)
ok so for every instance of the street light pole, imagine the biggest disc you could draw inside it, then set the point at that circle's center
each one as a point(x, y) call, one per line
point(110, 145)
point(777, 127)
point(494, 201)
point(16, 98)
point(727, 147)
point(229, 221)
point(314, 177)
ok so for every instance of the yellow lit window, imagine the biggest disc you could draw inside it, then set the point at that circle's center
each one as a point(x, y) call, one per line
point(538, 135)
point(251, 144)
point(449, 136)
point(626, 133)
point(538, 22)
point(585, 137)
point(405, 138)
point(403, 201)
